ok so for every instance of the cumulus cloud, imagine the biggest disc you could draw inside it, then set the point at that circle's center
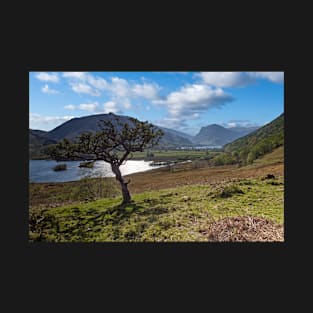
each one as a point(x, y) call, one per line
point(70, 107)
point(127, 104)
point(238, 79)
point(192, 100)
point(118, 88)
point(84, 88)
point(97, 82)
point(276, 77)
point(112, 107)
point(46, 77)
point(45, 122)
point(189, 102)
point(146, 90)
point(75, 75)
point(238, 123)
point(226, 79)
point(47, 89)
point(171, 122)
point(95, 107)
point(90, 107)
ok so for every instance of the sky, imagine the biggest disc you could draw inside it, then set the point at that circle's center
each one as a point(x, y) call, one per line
point(183, 101)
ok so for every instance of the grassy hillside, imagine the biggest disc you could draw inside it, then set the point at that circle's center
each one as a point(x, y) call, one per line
point(247, 149)
point(176, 214)
point(192, 201)
point(178, 204)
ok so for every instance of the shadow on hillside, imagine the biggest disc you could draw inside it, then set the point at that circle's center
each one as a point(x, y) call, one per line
point(82, 225)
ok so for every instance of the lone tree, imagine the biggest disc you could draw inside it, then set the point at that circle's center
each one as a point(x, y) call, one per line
point(114, 143)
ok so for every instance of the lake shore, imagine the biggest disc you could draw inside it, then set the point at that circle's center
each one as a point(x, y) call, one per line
point(55, 194)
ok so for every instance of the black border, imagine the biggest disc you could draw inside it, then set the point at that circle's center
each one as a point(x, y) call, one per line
point(156, 245)
point(74, 265)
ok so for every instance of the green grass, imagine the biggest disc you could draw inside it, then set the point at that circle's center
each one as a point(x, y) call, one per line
point(178, 214)
point(276, 156)
point(175, 154)
point(45, 195)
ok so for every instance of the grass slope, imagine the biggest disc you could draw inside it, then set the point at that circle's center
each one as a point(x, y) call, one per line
point(258, 143)
point(175, 214)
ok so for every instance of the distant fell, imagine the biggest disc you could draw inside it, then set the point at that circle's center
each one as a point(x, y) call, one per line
point(217, 135)
point(76, 126)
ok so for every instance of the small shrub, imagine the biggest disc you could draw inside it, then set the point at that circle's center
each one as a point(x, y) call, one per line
point(96, 188)
point(60, 167)
point(226, 192)
point(269, 176)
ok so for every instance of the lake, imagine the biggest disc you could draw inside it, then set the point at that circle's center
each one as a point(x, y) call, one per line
point(41, 171)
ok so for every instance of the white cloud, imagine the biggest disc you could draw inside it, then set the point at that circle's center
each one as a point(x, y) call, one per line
point(46, 77)
point(127, 104)
point(231, 125)
point(91, 107)
point(70, 107)
point(118, 88)
point(238, 123)
point(45, 122)
point(47, 89)
point(111, 107)
point(276, 77)
point(97, 82)
point(146, 90)
point(191, 100)
point(226, 79)
point(171, 122)
point(84, 88)
point(238, 79)
point(75, 75)
point(177, 124)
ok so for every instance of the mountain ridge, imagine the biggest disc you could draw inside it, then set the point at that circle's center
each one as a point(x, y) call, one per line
point(217, 135)
point(210, 135)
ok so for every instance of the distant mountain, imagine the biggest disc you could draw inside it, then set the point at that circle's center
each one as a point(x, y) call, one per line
point(74, 127)
point(259, 142)
point(177, 133)
point(216, 135)
point(173, 138)
point(37, 140)
point(211, 135)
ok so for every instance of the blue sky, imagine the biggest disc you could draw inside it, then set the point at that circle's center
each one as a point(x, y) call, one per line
point(183, 101)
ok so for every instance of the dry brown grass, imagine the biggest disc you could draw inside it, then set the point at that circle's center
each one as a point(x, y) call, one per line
point(162, 178)
point(245, 228)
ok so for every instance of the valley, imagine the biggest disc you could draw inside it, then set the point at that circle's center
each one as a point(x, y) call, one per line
point(203, 199)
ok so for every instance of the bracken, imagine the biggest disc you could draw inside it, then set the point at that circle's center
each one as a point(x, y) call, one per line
point(245, 228)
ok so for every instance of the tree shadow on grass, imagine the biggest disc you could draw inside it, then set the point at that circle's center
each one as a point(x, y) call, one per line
point(114, 215)
point(78, 227)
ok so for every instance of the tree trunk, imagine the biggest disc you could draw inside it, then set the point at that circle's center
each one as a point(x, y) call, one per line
point(118, 176)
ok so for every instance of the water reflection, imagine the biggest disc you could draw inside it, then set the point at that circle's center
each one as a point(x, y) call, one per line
point(42, 170)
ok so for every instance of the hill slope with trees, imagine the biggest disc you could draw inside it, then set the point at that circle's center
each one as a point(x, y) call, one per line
point(254, 145)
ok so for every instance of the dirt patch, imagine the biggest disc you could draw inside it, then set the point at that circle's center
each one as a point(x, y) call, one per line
point(245, 228)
